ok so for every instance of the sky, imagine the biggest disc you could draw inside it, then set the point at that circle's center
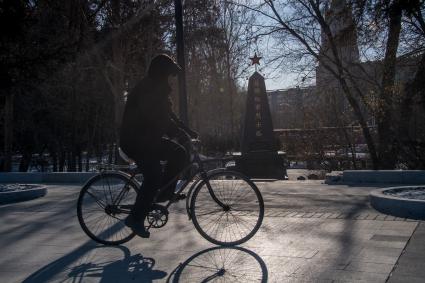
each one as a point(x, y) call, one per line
point(280, 80)
point(283, 81)
point(267, 48)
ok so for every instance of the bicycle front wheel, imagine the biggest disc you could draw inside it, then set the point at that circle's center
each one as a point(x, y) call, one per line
point(227, 209)
point(104, 202)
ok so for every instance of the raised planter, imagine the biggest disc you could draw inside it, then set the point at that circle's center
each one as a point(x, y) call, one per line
point(404, 202)
point(16, 192)
point(37, 178)
point(384, 176)
point(396, 177)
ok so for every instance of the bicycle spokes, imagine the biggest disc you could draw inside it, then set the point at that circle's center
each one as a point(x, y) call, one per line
point(227, 209)
point(104, 203)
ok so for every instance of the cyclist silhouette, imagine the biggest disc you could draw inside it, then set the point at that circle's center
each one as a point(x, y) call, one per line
point(148, 126)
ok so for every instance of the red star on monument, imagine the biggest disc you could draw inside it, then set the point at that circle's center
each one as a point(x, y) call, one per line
point(255, 60)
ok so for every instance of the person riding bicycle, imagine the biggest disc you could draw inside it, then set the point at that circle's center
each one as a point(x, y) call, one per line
point(148, 127)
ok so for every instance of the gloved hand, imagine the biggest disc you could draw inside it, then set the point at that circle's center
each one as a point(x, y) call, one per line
point(192, 134)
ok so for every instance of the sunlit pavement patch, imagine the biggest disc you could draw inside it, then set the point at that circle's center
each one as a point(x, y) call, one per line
point(304, 239)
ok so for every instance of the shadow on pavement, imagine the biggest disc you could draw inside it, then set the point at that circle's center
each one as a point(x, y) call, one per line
point(99, 264)
point(116, 264)
point(223, 264)
point(346, 246)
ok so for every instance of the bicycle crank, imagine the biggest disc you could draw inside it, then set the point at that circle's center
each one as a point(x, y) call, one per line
point(158, 216)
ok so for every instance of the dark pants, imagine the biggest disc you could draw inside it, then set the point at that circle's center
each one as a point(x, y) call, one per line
point(153, 177)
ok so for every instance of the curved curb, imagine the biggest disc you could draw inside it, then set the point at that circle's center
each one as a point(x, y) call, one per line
point(37, 177)
point(15, 196)
point(400, 207)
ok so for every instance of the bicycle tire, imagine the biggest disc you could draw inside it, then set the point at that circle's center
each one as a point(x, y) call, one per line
point(248, 209)
point(87, 193)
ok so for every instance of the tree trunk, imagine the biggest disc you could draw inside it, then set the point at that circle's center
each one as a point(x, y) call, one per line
point(54, 160)
point(340, 75)
point(117, 81)
point(230, 89)
point(25, 161)
point(386, 134)
point(87, 165)
point(71, 161)
point(8, 132)
point(74, 159)
point(62, 158)
point(110, 153)
point(80, 161)
point(363, 124)
point(407, 144)
point(99, 154)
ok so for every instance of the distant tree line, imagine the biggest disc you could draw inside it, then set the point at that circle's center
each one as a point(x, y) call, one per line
point(66, 67)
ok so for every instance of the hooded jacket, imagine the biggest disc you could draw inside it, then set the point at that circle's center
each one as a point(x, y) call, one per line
point(148, 114)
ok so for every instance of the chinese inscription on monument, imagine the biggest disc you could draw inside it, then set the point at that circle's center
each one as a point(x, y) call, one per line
point(257, 133)
point(257, 100)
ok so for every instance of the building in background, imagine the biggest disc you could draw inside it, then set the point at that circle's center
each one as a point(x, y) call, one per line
point(317, 121)
point(288, 106)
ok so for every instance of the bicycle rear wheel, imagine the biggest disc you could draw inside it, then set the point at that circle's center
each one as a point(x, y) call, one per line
point(230, 212)
point(103, 204)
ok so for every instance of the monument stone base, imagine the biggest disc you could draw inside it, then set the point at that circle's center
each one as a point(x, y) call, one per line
point(262, 165)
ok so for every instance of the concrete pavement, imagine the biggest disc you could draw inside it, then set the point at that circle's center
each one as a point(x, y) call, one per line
point(311, 232)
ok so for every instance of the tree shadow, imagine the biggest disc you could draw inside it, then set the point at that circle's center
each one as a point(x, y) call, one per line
point(224, 264)
point(346, 245)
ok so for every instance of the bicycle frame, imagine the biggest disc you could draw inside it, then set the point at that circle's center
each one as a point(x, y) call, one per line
point(199, 175)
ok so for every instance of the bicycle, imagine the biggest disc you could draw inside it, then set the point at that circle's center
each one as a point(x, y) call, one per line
point(225, 206)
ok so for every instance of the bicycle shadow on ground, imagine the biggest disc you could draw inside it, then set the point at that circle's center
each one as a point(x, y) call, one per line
point(99, 264)
point(223, 264)
point(109, 264)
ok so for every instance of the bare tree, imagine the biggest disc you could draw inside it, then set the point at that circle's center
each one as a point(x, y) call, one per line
point(307, 32)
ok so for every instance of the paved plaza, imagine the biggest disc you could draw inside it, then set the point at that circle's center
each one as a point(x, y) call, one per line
point(311, 232)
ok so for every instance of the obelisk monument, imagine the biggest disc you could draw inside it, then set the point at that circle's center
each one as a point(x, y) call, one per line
point(259, 147)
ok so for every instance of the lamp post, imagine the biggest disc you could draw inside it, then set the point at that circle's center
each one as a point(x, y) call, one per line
point(180, 60)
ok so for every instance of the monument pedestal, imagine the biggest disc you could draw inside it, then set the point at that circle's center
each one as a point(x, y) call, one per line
point(262, 164)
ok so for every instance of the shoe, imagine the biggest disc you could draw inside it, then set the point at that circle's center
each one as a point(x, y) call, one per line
point(178, 197)
point(137, 227)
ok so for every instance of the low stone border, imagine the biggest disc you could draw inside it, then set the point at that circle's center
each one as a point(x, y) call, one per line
point(37, 177)
point(400, 207)
point(22, 195)
point(396, 177)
